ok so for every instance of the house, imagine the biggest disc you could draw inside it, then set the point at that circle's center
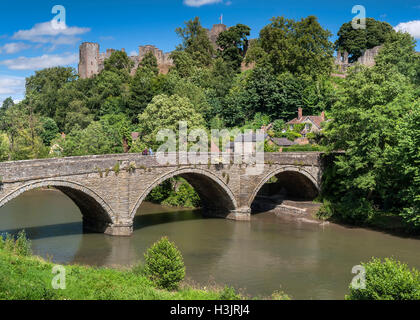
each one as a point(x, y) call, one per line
point(313, 124)
point(248, 141)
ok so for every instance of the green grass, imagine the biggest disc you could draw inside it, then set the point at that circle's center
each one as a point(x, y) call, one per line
point(30, 278)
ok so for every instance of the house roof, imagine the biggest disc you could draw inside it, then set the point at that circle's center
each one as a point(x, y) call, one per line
point(249, 137)
point(283, 142)
point(316, 120)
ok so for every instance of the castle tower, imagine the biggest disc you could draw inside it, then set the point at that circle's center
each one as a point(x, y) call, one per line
point(88, 60)
point(215, 32)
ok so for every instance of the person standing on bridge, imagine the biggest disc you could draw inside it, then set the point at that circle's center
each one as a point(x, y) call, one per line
point(150, 152)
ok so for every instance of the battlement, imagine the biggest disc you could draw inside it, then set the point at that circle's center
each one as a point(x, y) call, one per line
point(92, 62)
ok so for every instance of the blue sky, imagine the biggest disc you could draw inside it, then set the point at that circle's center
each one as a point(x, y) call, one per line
point(27, 42)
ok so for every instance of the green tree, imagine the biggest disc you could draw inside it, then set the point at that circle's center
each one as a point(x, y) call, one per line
point(196, 42)
point(233, 44)
point(4, 147)
point(365, 118)
point(119, 62)
point(149, 62)
point(165, 112)
point(49, 132)
point(402, 169)
point(357, 41)
point(44, 86)
point(164, 264)
point(299, 47)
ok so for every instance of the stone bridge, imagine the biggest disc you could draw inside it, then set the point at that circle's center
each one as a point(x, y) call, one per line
point(109, 189)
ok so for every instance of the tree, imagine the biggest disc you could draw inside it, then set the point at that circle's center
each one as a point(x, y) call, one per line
point(49, 132)
point(196, 42)
point(143, 87)
point(149, 62)
point(4, 147)
point(399, 51)
point(119, 62)
point(233, 45)
point(299, 47)
point(365, 118)
point(357, 41)
point(164, 264)
point(44, 86)
point(402, 167)
point(165, 112)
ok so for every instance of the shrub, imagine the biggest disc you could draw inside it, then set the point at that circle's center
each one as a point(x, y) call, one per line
point(229, 293)
point(23, 244)
point(164, 264)
point(388, 280)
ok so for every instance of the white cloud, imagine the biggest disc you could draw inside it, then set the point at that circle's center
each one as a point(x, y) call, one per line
point(46, 32)
point(11, 86)
point(412, 27)
point(14, 47)
point(44, 61)
point(199, 3)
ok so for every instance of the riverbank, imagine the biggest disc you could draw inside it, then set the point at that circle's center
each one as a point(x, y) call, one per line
point(31, 277)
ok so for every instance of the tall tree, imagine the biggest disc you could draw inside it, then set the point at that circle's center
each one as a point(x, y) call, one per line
point(298, 47)
point(356, 41)
point(233, 45)
point(149, 62)
point(195, 41)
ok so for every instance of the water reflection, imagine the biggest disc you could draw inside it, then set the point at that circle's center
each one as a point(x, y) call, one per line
point(268, 254)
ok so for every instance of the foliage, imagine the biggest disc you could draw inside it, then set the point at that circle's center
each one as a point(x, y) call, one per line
point(164, 264)
point(119, 62)
point(388, 280)
point(299, 47)
point(165, 112)
point(19, 245)
point(402, 167)
point(365, 121)
point(49, 132)
point(233, 45)
point(149, 62)
point(357, 41)
point(196, 42)
point(4, 147)
point(304, 148)
point(29, 278)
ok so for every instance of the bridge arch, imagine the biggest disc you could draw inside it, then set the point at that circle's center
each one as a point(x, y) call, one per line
point(214, 193)
point(97, 214)
point(305, 180)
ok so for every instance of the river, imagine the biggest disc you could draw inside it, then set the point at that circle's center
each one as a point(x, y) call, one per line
point(269, 253)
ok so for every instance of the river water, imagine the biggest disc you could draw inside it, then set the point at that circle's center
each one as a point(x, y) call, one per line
point(269, 253)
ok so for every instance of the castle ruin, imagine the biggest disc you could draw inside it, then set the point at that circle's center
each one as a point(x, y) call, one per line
point(367, 59)
point(92, 61)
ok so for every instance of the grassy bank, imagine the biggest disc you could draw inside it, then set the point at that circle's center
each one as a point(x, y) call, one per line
point(27, 277)
point(30, 278)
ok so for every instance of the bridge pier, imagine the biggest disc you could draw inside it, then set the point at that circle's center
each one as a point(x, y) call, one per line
point(113, 229)
point(241, 214)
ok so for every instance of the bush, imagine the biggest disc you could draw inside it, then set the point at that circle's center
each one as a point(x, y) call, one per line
point(229, 293)
point(388, 280)
point(164, 264)
point(20, 246)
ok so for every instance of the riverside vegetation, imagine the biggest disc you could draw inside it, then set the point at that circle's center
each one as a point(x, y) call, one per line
point(374, 112)
point(27, 277)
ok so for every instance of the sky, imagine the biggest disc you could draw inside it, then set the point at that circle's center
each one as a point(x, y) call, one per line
point(29, 41)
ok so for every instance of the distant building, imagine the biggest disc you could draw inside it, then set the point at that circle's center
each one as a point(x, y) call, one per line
point(312, 123)
point(92, 61)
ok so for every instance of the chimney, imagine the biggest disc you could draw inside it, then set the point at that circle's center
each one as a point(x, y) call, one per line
point(300, 113)
point(323, 115)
